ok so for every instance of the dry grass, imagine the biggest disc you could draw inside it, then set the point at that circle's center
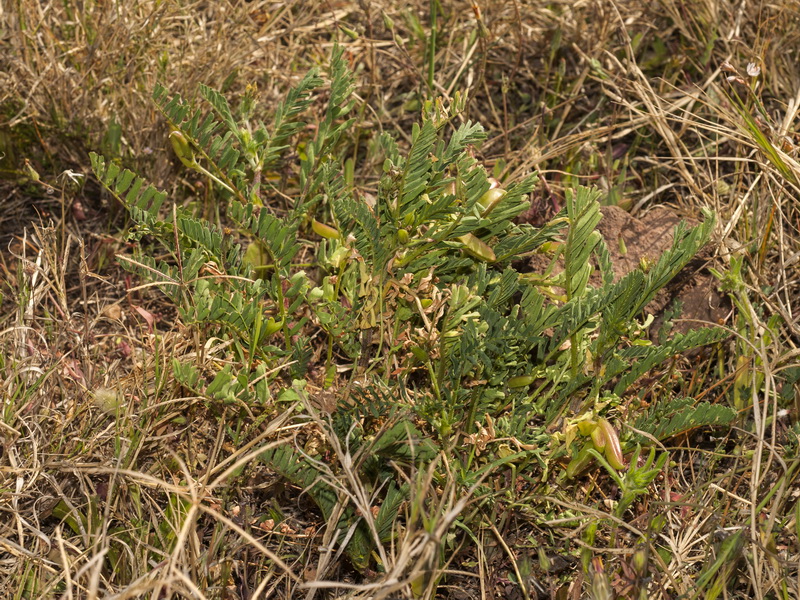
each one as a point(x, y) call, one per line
point(115, 484)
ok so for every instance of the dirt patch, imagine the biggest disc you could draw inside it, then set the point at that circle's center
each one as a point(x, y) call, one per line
point(647, 238)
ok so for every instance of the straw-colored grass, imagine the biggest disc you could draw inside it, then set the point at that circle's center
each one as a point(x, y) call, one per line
point(115, 483)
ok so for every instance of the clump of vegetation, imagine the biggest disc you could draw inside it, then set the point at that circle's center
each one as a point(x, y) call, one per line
point(439, 355)
point(384, 330)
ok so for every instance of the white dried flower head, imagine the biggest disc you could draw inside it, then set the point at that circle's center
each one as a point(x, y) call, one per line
point(753, 69)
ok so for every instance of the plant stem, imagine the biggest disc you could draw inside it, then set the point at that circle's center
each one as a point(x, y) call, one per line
point(432, 45)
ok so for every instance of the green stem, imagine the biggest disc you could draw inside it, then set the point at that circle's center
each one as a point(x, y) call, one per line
point(282, 311)
point(197, 167)
point(432, 45)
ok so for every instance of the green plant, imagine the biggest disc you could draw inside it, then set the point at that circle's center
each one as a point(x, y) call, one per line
point(415, 292)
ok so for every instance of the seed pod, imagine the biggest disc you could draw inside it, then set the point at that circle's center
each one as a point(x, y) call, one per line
point(598, 438)
point(613, 451)
point(521, 381)
point(491, 199)
point(477, 248)
point(402, 236)
point(182, 148)
point(545, 564)
point(32, 173)
point(640, 561)
point(330, 376)
point(323, 230)
point(586, 426)
point(601, 586)
point(353, 35)
point(579, 462)
point(387, 21)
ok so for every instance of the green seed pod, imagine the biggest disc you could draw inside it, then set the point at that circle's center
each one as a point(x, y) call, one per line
point(402, 236)
point(579, 462)
point(586, 426)
point(323, 230)
point(613, 451)
point(598, 438)
point(521, 381)
point(491, 199)
point(353, 35)
point(182, 148)
point(477, 248)
point(640, 561)
point(387, 21)
point(623, 249)
point(32, 173)
point(426, 302)
point(545, 564)
point(601, 586)
point(330, 376)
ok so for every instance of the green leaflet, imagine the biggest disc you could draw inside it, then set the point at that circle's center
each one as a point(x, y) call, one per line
point(673, 417)
point(583, 211)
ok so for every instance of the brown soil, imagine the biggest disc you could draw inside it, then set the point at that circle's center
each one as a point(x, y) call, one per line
point(631, 240)
point(648, 238)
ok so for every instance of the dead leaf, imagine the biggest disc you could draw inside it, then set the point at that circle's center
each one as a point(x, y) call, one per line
point(147, 316)
point(113, 312)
